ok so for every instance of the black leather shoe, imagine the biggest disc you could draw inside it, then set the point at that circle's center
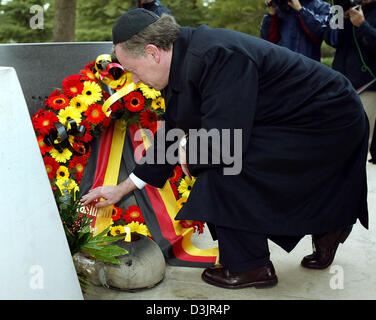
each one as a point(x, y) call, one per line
point(260, 278)
point(324, 249)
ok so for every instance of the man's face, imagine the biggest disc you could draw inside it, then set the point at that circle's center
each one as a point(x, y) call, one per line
point(145, 69)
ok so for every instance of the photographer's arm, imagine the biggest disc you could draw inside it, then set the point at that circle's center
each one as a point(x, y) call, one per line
point(314, 23)
point(365, 31)
point(269, 25)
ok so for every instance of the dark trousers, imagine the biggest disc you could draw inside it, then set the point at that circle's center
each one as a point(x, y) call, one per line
point(241, 250)
point(372, 149)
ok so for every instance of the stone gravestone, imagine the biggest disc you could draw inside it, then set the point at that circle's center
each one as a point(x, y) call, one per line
point(41, 67)
point(36, 262)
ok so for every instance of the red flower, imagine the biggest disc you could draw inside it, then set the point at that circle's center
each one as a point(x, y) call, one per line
point(186, 223)
point(134, 101)
point(133, 213)
point(106, 122)
point(43, 121)
point(77, 166)
point(90, 65)
point(80, 148)
point(175, 190)
point(95, 114)
point(116, 106)
point(51, 167)
point(56, 92)
point(87, 136)
point(43, 147)
point(87, 75)
point(72, 85)
point(178, 173)
point(148, 120)
point(58, 102)
point(197, 225)
point(116, 214)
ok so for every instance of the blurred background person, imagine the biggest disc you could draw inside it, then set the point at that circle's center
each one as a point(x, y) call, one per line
point(154, 6)
point(297, 25)
point(355, 57)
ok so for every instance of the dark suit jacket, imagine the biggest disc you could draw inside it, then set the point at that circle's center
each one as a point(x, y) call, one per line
point(304, 135)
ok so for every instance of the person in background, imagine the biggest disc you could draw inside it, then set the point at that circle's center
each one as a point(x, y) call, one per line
point(297, 25)
point(154, 6)
point(355, 57)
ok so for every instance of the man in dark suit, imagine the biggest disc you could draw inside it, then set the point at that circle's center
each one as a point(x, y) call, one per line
point(302, 142)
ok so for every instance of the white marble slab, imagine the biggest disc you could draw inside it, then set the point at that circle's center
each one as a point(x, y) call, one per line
point(35, 259)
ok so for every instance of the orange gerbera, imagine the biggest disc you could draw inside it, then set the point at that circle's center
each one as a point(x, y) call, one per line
point(72, 85)
point(116, 213)
point(43, 147)
point(87, 75)
point(95, 114)
point(178, 173)
point(148, 120)
point(81, 148)
point(51, 167)
point(134, 101)
point(77, 166)
point(133, 213)
point(58, 102)
point(90, 65)
point(44, 121)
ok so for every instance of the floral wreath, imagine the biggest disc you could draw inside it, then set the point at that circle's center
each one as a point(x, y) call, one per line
point(80, 110)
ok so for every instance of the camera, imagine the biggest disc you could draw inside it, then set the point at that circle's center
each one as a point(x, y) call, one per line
point(347, 4)
point(280, 4)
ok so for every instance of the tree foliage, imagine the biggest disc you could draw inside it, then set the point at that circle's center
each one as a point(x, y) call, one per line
point(188, 12)
point(240, 15)
point(15, 18)
point(95, 18)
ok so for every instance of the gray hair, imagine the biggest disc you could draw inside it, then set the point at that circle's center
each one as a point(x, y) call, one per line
point(162, 33)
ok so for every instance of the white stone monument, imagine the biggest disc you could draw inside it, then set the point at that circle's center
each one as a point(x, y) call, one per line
point(35, 259)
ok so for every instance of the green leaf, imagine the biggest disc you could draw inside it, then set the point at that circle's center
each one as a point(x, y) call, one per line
point(106, 253)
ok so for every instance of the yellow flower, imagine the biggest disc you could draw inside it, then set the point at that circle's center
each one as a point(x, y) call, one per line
point(149, 92)
point(181, 201)
point(61, 156)
point(67, 114)
point(186, 186)
point(117, 230)
point(91, 93)
point(139, 228)
point(66, 185)
point(62, 173)
point(78, 103)
point(158, 103)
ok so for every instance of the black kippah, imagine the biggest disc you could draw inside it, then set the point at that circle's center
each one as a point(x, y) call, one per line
point(131, 23)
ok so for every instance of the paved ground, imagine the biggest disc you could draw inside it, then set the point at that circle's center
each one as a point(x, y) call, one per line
point(351, 276)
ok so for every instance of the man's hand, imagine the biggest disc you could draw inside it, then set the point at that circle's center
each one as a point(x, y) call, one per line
point(183, 160)
point(295, 4)
point(272, 10)
point(356, 16)
point(110, 194)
